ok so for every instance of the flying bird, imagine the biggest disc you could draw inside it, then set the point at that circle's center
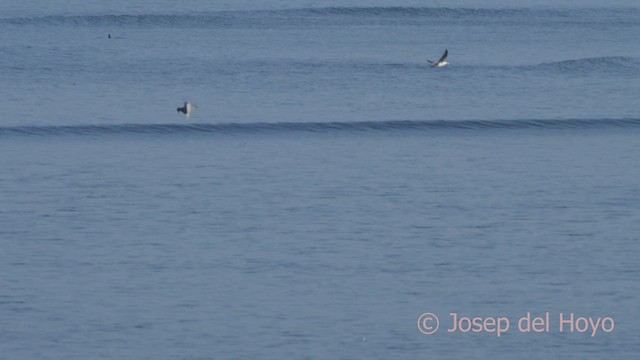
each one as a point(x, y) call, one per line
point(186, 109)
point(442, 62)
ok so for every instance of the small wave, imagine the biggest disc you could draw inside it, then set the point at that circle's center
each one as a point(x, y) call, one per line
point(335, 15)
point(224, 19)
point(609, 63)
point(313, 127)
point(123, 20)
point(412, 11)
point(475, 12)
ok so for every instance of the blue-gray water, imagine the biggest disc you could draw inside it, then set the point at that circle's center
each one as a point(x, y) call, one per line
point(329, 188)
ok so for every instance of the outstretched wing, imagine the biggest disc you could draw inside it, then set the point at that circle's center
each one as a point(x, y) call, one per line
point(430, 62)
point(444, 56)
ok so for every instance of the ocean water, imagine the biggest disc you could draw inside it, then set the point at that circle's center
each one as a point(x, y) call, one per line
point(330, 187)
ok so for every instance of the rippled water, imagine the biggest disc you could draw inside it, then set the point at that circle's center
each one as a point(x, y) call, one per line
point(330, 187)
point(320, 64)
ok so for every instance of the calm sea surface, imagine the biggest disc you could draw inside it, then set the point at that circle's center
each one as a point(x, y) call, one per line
point(329, 188)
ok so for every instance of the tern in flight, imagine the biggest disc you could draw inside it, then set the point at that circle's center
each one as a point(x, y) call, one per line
point(186, 109)
point(442, 62)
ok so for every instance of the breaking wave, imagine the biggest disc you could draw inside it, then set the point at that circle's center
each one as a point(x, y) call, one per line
point(314, 127)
